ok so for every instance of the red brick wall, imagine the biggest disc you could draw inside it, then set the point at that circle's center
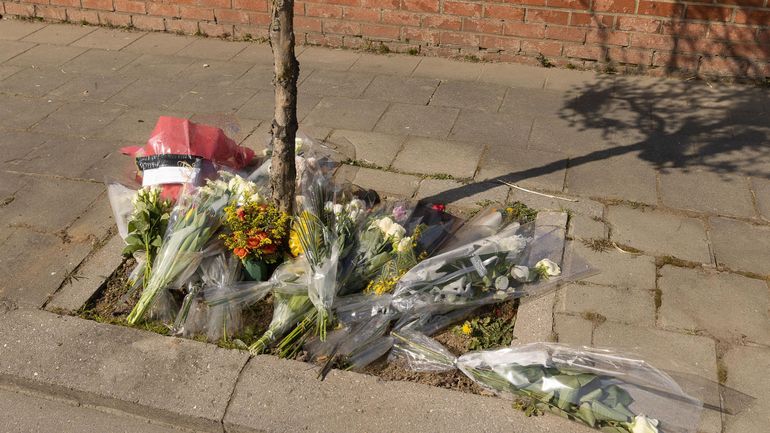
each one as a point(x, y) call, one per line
point(722, 37)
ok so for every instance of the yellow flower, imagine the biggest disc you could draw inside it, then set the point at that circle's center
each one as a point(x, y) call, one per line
point(295, 247)
point(466, 329)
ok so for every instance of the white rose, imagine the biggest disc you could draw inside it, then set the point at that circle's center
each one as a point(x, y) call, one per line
point(550, 268)
point(404, 245)
point(385, 224)
point(337, 209)
point(521, 274)
point(395, 231)
point(642, 424)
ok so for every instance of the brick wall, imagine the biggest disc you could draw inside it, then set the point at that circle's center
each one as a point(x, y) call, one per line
point(719, 37)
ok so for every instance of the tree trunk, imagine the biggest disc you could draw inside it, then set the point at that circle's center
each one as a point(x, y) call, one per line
point(284, 128)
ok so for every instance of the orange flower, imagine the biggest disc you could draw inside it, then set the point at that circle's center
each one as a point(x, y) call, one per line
point(241, 213)
point(253, 242)
point(269, 249)
point(240, 252)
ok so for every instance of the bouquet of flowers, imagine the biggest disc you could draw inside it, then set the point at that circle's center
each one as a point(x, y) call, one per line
point(146, 226)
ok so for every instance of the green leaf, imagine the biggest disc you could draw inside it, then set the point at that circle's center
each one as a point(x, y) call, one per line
point(586, 414)
point(605, 413)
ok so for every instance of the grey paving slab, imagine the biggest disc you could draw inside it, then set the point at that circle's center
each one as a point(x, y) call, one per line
point(261, 106)
point(16, 145)
point(59, 34)
point(15, 29)
point(335, 83)
point(372, 147)
point(108, 39)
point(326, 59)
point(402, 89)
point(742, 365)
point(157, 66)
point(387, 183)
point(659, 233)
point(420, 120)
point(134, 125)
point(761, 189)
point(91, 88)
point(46, 55)
point(214, 73)
point(335, 404)
point(609, 178)
point(261, 77)
point(79, 119)
point(136, 371)
point(20, 113)
point(708, 192)
point(62, 155)
point(255, 53)
point(728, 306)
point(469, 95)
point(573, 330)
point(347, 113)
point(617, 269)
point(448, 157)
point(236, 127)
point(7, 71)
point(584, 227)
point(205, 99)
point(385, 64)
point(631, 306)
point(499, 130)
point(35, 82)
point(741, 246)
point(446, 69)
point(29, 283)
point(151, 93)
point(582, 206)
point(66, 416)
point(97, 223)
point(99, 62)
point(463, 195)
point(512, 75)
point(524, 101)
point(11, 49)
point(527, 168)
point(212, 49)
point(551, 133)
point(565, 79)
point(159, 44)
point(535, 321)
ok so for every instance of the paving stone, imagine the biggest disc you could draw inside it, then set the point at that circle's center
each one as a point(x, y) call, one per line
point(95, 224)
point(550, 133)
point(214, 73)
point(151, 93)
point(260, 106)
point(691, 354)
point(79, 118)
point(159, 44)
point(512, 75)
point(741, 246)
point(494, 129)
point(527, 168)
point(706, 192)
point(156, 66)
point(386, 64)
point(372, 147)
point(17, 145)
point(564, 79)
point(535, 320)
point(20, 113)
point(326, 59)
point(134, 125)
point(743, 363)
point(572, 330)
point(35, 82)
point(469, 95)
point(727, 306)
point(212, 49)
point(46, 55)
point(11, 49)
point(236, 127)
point(92, 273)
point(336, 404)
point(617, 269)
point(584, 227)
point(402, 89)
point(386, 183)
point(608, 178)
point(29, 283)
point(582, 206)
point(255, 53)
point(15, 29)
point(448, 157)
point(347, 113)
point(108, 39)
point(335, 83)
point(179, 381)
point(60, 34)
point(446, 69)
point(420, 120)
point(204, 99)
point(458, 194)
point(632, 306)
point(99, 62)
point(63, 156)
point(7, 71)
point(90, 88)
point(761, 189)
point(660, 233)
point(261, 77)
point(546, 104)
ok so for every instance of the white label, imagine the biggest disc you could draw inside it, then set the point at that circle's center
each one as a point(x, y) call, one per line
point(480, 268)
point(164, 175)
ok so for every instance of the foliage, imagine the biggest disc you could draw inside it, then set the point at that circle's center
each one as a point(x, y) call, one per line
point(487, 332)
point(147, 225)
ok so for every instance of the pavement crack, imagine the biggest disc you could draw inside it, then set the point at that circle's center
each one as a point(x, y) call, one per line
point(434, 93)
point(232, 393)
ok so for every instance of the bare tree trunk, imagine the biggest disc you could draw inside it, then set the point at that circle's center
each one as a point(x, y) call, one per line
point(284, 128)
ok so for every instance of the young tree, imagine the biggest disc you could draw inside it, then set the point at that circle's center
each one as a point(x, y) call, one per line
point(284, 128)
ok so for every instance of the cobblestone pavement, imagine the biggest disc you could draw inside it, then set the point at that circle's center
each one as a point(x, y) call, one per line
point(671, 178)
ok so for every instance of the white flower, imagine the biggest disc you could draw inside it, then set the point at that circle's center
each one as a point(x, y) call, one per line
point(548, 267)
point(384, 224)
point(404, 245)
point(337, 209)
point(396, 231)
point(521, 274)
point(329, 206)
point(355, 205)
point(642, 424)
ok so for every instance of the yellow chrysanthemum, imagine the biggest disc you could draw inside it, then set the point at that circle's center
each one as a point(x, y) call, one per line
point(466, 329)
point(295, 247)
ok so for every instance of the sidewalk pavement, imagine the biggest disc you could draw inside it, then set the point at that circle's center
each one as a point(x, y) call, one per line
point(671, 179)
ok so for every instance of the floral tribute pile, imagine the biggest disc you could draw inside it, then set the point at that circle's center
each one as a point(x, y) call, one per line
point(354, 279)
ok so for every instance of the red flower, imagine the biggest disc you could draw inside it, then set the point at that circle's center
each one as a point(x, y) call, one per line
point(240, 252)
point(439, 207)
point(254, 242)
point(241, 213)
point(269, 249)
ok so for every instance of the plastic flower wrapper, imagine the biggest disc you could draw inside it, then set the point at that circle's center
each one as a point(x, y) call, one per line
point(487, 222)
